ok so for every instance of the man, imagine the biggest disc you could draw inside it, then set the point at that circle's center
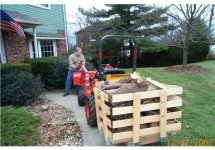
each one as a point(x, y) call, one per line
point(75, 61)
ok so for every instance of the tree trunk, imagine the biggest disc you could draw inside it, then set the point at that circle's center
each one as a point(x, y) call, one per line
point(131, 47)
point(211, 18)
point(185, 51)
point(186, 43)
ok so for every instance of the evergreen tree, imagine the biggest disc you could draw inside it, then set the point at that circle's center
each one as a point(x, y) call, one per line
point(138, 20)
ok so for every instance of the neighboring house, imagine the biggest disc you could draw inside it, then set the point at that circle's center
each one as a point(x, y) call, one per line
point(84, 36)
point(45, 31)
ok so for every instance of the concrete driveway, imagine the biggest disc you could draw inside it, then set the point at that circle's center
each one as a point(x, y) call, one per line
point(91, 136)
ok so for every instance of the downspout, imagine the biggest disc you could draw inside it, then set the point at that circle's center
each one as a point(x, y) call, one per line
point(65, 26)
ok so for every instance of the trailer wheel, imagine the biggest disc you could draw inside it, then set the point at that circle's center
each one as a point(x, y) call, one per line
point(81, 99)
point(90, 110)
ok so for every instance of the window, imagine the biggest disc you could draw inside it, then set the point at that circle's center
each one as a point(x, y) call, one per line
point(45, 6)
point(47, 48)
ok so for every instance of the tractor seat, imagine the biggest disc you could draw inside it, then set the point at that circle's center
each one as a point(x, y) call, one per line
point(114, 71)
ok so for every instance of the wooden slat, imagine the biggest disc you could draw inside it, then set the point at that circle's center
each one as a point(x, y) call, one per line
point(110, 135)
point(122, 97)
point(156, 83)
point(148, 140)
point(104, 117)
point(146, 107)
point(147, 132)
point(107, 110)
point(146, 119)
point(173, 115)
point(122, 110)
point(136, 117)
point(150, 94)
point(109, 122)
point(98, 113)
point(174, 103)
point(163, 111)
point(176, 90)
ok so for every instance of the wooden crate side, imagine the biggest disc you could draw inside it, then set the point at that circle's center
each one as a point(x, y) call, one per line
point(156, 83)
point(163, 111)
point(122, 97)
point(108, 111)
point(146, 107)
point(150, 94)
point(99, 84)
point(148, 140)
point(171, 90)
point(146, 119)
point(104, 115)
point(175, 90)
point(136, 117)
point(99, 95)
point(109, 123)
point(98, 112)
point(146, 132)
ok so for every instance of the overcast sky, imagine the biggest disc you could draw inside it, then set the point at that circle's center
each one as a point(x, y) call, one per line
point(71, 12)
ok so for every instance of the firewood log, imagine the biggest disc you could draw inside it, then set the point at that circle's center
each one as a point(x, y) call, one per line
point(111, 86)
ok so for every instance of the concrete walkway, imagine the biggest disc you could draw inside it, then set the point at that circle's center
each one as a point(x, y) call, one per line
point(91, 136)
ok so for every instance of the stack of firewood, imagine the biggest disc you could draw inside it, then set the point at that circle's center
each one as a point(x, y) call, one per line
point(129, 85)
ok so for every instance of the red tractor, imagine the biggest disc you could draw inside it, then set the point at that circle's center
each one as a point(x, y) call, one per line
point(105, 72)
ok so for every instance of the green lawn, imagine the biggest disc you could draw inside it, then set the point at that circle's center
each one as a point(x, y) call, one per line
point(198, 110)
point(18, 127)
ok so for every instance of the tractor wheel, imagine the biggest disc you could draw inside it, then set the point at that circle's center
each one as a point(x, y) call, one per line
point(90, 110)
point(81, 99)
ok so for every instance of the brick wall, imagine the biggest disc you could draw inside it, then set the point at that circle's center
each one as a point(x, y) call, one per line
point(61, 47)
point(16, 48)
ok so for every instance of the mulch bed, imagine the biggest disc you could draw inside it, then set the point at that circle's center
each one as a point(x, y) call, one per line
point(58, 126)
point(188, 69)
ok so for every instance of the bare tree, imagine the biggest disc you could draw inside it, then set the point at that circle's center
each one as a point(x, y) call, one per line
point(211, 19)
point(184, 17)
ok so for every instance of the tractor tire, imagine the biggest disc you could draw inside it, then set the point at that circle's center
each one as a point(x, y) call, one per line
point(90, 110)
point(81, 99)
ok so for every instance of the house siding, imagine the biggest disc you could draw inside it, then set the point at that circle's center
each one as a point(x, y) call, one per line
point(53, 19)
point(17, 49)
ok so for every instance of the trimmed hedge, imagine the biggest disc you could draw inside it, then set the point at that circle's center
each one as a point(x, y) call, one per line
point(52, 70)
point(19, 88)
point(6, 68)
point(169, 57)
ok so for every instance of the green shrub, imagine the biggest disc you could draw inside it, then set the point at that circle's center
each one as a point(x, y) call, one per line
point(6, 68)
point(18, 127)
point(52, 70)
point(57, 77)
point(19, 88)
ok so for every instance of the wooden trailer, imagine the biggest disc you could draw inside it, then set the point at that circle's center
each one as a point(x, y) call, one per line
point(140, 128)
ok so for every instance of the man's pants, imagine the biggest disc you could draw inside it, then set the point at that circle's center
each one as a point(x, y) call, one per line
point(69, 82)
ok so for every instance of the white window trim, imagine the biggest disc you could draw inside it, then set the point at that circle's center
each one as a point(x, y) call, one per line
point(2, 51)
point(31, 49)
point(50, 38)
point(54, 47)
point(39, 6)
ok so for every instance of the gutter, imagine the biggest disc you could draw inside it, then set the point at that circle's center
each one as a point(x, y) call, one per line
point(65, 26)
